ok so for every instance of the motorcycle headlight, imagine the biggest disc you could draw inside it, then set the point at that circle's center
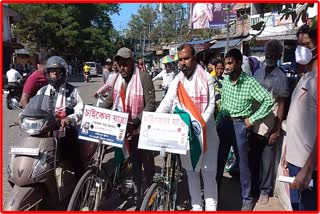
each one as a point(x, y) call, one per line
point(32, 126)
point(40, 165)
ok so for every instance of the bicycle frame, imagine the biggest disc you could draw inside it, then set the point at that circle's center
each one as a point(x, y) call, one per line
point(102, 184)
point(168, 177)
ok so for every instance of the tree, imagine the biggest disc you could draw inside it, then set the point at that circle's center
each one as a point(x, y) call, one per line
point(168, 26)
point(82, 30)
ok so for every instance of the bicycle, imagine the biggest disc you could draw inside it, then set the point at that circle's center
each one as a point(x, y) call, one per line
point(162, 194)
point(95, 184)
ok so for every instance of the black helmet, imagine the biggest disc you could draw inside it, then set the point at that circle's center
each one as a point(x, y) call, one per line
point(59, 65)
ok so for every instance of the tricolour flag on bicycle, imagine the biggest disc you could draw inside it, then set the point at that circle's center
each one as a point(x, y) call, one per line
point(189, 113)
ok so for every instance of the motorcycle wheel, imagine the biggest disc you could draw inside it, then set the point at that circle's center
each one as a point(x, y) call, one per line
point(84, 195)
point(8, 101)
point(25, 198)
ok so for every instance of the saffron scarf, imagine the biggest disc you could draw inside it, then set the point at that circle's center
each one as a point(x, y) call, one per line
point(190, 106)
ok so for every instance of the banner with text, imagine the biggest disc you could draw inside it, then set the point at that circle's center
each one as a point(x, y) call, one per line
point(160, 130)
point(100, 124)
point(211, 15)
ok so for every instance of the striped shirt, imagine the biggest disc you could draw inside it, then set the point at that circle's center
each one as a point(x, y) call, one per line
point(237, 99)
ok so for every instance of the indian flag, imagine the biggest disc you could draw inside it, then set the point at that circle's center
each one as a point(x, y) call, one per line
point(197, 126)
point(120, 154)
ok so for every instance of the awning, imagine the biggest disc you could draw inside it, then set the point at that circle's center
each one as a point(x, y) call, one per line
point(279, 37)
point(13, 45)
point(22, 51)
point(197, 42)
point(223, 43)
point(200, 45)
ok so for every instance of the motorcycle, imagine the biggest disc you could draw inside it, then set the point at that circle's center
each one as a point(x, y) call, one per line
point(36, 173)
point(86, 76)
point(13, 93)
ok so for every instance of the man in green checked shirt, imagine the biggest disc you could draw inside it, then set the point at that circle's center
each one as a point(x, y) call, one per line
point(235, 119)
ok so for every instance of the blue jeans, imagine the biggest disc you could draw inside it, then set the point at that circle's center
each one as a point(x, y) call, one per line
point(305, 199)
point(232, 132)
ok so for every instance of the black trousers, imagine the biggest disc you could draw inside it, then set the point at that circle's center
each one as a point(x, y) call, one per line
point(139, 158)
point(262, 162)
point(70, 150)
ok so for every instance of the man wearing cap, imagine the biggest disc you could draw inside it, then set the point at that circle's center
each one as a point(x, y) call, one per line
point(107, 70)
point(133, 92)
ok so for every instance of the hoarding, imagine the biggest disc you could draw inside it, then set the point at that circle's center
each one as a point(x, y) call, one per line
point(211, 15)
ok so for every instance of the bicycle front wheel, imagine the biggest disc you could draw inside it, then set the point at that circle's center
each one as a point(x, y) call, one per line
point(156, 198)
point(86, 193)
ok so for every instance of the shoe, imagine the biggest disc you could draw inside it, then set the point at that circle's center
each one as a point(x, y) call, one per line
point(263, 199)
point(247, 206)
point(196, 207)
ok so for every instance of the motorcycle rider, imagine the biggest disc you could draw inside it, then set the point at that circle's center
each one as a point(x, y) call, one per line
point(34, 82)
point(68, 108)
point(13, 76)
point(86, 69)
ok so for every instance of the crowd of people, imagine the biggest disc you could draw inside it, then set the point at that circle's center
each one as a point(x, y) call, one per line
point(233, 108)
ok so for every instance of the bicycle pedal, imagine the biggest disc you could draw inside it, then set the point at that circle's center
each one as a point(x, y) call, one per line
point(156, 177)
point(93, 192)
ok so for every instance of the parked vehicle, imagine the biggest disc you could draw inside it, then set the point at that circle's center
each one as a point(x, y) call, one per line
point(13, 93)
point(36, 173)
point(93, 68)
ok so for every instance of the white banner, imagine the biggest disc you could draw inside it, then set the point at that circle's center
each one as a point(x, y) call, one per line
point(163, 130)
point(100, 124)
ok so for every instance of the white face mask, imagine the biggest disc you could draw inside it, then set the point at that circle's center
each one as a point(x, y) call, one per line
point(303, 55)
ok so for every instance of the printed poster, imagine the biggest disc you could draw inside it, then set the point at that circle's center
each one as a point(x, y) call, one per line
point(160, 130)
point(107, 126)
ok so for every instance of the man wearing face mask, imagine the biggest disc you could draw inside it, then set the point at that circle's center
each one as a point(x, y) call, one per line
point(267, 131)
point(191, 96)
point(236, 119)
point(301, 133)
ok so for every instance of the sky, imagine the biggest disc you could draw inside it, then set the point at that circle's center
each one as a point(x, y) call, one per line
point(120, 22)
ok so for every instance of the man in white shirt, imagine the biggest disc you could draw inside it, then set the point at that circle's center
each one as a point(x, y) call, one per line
point(267, 131)
point(191, 93)
point(13, 76)
point(167, 76)
point(107, 69)
point(301, 132)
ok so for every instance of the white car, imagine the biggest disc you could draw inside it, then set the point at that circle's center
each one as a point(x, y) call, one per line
point(93, 68)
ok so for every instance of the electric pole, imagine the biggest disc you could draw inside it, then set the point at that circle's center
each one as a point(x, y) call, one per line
point(228, 27)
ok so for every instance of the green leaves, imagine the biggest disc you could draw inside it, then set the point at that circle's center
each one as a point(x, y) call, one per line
point(167, 26)
point(81, 30)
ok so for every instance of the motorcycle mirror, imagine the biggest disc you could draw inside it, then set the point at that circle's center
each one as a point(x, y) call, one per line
point(13, 124)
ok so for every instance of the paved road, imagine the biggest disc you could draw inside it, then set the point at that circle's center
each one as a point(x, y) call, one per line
point(230, 196)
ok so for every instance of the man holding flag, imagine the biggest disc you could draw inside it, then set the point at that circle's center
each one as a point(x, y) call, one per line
point(133, 92)
point(191, 95)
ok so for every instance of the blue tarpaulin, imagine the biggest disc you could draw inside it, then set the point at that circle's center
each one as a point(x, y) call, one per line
point(199, 41)
point(222, 44)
